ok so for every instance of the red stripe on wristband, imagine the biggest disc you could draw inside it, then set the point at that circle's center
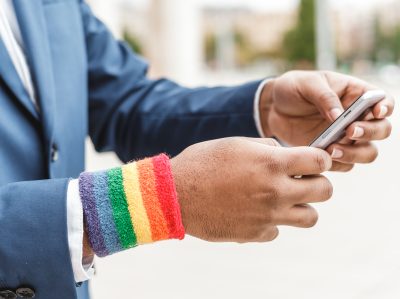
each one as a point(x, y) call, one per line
point(167, 196)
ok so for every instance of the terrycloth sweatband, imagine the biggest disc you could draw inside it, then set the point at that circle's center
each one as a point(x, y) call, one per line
point(130, 205)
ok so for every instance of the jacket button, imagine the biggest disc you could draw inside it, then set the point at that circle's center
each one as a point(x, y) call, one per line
point(25, 293)
point(54, 153)
point(78, 284)
point(7, 294)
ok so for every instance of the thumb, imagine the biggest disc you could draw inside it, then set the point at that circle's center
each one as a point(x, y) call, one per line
point(319, 93)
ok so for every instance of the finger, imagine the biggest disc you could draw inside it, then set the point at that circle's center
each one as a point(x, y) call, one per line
point(318, 92)
point(350, 88)
point(269, 234)
point(304, 216)
point(384, 108)
point(310, 189)
point(304, 161)
point(341, 167)
point(369, 130)
point(355, 153)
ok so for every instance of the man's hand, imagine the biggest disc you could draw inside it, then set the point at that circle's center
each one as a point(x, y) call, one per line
point(297, 106)
point(241, 189)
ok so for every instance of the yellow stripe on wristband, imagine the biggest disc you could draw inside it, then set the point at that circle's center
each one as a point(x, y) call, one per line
point(136, 207)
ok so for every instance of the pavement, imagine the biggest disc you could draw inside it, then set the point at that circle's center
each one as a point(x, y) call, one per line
point(353, 252)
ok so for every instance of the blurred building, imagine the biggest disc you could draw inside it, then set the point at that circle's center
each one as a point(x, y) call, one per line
point(182, 38)
point(254, 34)
point(108, 12)
point(389, 14)
point(354, 30)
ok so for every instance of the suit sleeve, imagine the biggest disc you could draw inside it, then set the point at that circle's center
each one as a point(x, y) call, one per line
point(136, 117)
point(33, 239)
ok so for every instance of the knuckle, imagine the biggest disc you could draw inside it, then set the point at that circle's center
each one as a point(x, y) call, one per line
point(350, 156)
point(341, 167)
point(264, 215)
point(347, 168)
point(310, 219)
point(328, 190)
point(272, 142)
point(326, 73)
point(373, 132)
point(257, 234)
point(388, 130)
point(269, 234)
point(274, 165)
point(374, 155)
point(290, 163)
point(273, 234)
point(273, 197)
point(325, 189)
point(321, 162)
point(252, 236)
point(327, 96)
point(269, 216)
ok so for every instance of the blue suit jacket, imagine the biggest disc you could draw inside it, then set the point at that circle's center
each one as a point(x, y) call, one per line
point(87, 83)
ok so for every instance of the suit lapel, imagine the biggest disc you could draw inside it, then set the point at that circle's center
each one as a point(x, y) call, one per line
point(31, 19)
point(10, 76)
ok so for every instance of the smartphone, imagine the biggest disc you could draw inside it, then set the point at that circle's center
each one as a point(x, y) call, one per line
point(337, 130)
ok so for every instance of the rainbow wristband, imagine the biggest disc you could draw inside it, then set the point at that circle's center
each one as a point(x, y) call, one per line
point(130, 205)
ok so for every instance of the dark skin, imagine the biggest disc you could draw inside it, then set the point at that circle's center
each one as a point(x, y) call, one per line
point(297, 106)
point(242, 189)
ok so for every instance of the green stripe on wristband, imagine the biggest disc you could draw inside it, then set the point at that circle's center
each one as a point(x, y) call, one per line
point(119, 205)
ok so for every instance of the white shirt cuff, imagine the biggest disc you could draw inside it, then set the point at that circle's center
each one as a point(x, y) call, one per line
point(82, 272)
point(256, 110)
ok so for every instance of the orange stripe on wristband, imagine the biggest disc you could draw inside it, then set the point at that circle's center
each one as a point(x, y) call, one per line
point(135, 204)
point(158, 224)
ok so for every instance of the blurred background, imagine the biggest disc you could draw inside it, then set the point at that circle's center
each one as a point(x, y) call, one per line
point(354, 251)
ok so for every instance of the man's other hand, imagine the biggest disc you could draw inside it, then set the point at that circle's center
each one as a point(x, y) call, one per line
point(297, 106)
point(241, 189)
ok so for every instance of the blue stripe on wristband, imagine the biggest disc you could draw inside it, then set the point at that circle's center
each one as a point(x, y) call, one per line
point(105, 212)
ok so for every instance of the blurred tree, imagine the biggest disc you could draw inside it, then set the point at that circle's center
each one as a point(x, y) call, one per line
point(299, 43)
point(210, 49)
point(243, 50)
point(133, 42)
point(386, 47)
point(396, 44)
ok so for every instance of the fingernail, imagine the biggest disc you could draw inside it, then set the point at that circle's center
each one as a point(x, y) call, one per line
point(335, 113)
point(383, 111)
point(358, 132)
point(337, 153)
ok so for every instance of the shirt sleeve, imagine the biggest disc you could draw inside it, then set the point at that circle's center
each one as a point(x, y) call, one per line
point(256, 110)
point(83, 269)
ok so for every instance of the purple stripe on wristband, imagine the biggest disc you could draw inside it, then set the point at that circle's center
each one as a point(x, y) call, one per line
point(89, 208)
point(105, 212)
